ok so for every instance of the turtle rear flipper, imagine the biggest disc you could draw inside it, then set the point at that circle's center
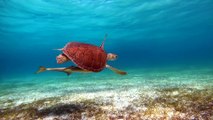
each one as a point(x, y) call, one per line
point(41, 69)
point(116, 70)
point(68, 71)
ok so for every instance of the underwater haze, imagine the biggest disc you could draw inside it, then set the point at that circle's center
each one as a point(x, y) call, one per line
point(165, 46)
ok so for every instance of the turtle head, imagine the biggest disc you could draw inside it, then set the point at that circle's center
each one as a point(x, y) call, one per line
point(61, 59)
point(111, 56)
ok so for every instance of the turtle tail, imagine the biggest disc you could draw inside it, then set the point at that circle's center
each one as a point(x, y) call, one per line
point(41, 69)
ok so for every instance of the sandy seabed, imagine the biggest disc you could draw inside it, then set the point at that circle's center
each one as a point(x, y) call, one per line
point(182, 95)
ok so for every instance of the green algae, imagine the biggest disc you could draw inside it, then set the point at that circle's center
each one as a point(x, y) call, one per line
point(170, 103)
point(192, 102)
point(39, 110)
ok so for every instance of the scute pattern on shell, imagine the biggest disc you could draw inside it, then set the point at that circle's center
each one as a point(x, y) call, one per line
point(86, 56)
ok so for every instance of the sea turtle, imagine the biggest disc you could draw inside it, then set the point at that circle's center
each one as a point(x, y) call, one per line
point(87, 57)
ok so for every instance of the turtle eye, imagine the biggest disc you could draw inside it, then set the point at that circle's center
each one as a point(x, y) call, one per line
point(116, 56)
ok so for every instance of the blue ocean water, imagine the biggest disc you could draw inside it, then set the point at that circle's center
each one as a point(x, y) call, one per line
point(159, 43)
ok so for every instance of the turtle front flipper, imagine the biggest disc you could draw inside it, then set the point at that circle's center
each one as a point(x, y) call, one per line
point(116, 70)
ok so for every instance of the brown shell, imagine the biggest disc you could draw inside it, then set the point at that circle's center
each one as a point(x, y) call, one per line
point(86, 56)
